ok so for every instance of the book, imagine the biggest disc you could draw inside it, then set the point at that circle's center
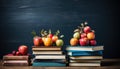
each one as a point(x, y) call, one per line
point(43, 48)
point(50, 57)
point(47, 52)
point(50, 60)
point(84, 64)
point(49, 64)
point(85, 48)
point(86, 57)
point(16, 57)
point(85, 53)
point(15, 61)
point(85, 61)
point(16, 64)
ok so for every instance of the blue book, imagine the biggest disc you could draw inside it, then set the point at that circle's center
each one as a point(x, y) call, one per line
point(85, 48)
point(85, 53)
point(48, 64)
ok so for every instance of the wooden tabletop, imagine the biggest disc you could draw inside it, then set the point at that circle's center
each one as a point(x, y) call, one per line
point(106, 64)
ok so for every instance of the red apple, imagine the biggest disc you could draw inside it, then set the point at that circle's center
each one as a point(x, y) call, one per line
point(37, 41)
point(23, 49)
point(87, 29)
point(50, 35)
point(54, 38)
point(83, 41)
point(91, 35)
point(83, 35)
point(59, 42)
point(93, 42)
point(18, 53)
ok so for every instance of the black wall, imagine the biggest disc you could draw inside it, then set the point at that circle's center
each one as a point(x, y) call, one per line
point(19, 17)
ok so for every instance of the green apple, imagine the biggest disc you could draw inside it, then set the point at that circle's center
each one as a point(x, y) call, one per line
point(59, 42)
point(76, 35)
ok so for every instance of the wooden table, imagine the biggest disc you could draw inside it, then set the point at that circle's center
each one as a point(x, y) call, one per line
point(106, 64)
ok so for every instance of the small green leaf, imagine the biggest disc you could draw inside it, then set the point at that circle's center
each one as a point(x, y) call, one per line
point(33, 33)
point(61, 36)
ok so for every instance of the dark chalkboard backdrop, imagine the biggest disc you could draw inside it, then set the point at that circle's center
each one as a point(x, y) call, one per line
point(19, 17)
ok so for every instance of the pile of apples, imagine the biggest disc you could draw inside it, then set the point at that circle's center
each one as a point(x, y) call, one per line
point(47, 39)
point(83, 36)
point(22, 50)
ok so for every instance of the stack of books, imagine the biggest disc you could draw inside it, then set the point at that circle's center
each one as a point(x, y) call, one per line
point(85, 55)
point(16, 60)
point(48, 56)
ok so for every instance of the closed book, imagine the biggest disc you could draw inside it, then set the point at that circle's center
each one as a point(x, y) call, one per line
point(16, 57)
point(85, 61)
point(15, 61)
point(43, 48)
point(85, 53)
point(84, 64)
point(86, 57)
point(50, 57)
point(16, 64)
point(85, 48)
point(47, 52)
point(49, 64)
point(51, 60)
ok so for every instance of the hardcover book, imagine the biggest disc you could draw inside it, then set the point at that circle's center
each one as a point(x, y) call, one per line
point(47, 52)
point(15, 61)
point(86, 57)
point(85, 53)
point(51, 60)
point(85, 61)
point(16, 64)
point(50, 57)
point(49, 64)
point(84, 64)
point(16, 57)
point(85, 48)
point(43, 48)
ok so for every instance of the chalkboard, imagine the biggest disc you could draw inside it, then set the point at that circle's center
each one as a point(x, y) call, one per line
point(19, 17)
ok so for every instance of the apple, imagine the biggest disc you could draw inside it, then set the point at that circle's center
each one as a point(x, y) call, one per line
point(37, 41)
point(93, 42)
point(91, 35)
point(87, 29)
point(48, 41)
point(54, 38)
point(76, 35)
point(83, 41)
point(59, 42)
point(18, 53)
point(23, 49)
point(50, 35)
point(73, 41)
point(83, 35)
